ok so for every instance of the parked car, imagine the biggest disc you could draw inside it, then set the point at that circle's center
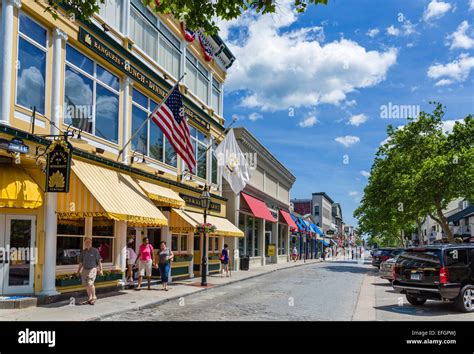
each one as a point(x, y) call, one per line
point(386, 267)
point(437, 272)
point(383, 254)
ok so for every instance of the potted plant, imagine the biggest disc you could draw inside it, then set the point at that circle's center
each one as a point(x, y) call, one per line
point(68, 280)
point(208, 228)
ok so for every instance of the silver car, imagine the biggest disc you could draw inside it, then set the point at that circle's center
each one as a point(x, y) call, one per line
point(386, 267)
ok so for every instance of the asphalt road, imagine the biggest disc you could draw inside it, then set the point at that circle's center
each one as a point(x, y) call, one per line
point(322, 291)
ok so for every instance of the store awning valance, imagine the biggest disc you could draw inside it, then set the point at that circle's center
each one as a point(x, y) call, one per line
point(288, 220)
point(223, 226)
point(258, 208)
point(18, 189)
point(100, 191)
point(162, 195)
point(317, 229)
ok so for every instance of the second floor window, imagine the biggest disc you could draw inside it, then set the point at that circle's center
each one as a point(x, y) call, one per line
point(200, 144)
point(216, 97)
point(155, 40)
point(150, 141)
point(197, 78)
point(31, 72)
point(91, 96)
point(111, 12)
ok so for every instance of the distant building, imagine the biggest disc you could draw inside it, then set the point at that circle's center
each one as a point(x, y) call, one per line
point(320, 206)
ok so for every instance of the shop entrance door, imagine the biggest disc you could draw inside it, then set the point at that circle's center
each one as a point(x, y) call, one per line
point(268, 240)
point(17, 254)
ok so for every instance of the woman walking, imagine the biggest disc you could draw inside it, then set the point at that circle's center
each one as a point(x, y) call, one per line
point(294, 254)
point(145, 259)
point(165, 257)
point(225, 260)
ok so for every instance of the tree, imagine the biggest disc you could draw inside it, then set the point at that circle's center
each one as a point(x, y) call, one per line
point(417, 172)
point(196, 14)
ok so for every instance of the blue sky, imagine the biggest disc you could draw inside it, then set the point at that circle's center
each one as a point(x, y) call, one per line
point(311, 86)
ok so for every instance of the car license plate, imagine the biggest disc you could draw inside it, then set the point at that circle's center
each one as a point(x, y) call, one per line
point(415, 276)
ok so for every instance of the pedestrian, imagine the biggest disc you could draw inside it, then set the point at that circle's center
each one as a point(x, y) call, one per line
point(224, 258)
point(145, 262)
point(131, 258)
point(165, 257)
point(294, 254)
point(89, 261)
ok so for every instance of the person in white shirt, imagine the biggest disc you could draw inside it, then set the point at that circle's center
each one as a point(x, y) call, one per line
point(131, 258)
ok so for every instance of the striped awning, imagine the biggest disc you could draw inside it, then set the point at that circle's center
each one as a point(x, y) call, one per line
point(162, 195)
point(100, 191)
point(191, 220)
point(18, 189)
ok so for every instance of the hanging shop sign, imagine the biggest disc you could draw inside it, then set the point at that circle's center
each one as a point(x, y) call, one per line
point(127, 67)
point(14, 145)
point(196, 201)
point(58, 167)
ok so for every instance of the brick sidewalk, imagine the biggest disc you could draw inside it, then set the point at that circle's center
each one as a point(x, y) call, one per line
point(129, 300)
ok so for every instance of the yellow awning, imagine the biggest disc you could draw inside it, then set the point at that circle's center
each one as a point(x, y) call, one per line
point(114, 195)
point(162, 195)
point(18, 189)
point(223, 226)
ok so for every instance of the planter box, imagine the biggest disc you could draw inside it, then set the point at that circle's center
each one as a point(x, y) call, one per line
point(68, 282)
point(78, 281)
point(213, 258)
point(183, 258)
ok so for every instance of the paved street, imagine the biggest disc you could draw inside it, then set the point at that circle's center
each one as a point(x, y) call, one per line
point(323, 291)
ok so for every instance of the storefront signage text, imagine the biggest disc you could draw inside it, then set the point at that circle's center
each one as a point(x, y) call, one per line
point(14, 146)
point(196, 201)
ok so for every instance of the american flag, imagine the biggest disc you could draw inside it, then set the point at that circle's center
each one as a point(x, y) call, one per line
point(170, 118)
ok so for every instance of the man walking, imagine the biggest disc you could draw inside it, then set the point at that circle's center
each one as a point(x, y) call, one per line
point(89, 261)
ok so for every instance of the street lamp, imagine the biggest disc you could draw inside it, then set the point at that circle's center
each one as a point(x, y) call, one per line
point(205, 203)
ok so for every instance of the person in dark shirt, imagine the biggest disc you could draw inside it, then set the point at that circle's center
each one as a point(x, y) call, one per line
point(225, 260)
point(89, 261)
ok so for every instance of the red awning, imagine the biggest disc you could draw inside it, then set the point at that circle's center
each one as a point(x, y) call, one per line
point(258, 208)
point(287, 217)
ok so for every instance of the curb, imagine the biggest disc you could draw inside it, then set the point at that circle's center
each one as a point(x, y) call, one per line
point(162, 301)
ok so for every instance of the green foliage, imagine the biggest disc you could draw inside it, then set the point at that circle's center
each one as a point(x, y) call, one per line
point(197, 14)
point(417, 172)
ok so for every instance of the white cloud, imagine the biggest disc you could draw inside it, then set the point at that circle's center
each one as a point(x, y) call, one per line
point(436, 9)
point(460, 39)
point(455, 71)
point(407, 29)
point(393, 31)
point(372, 32)
point(365, 173)
point(353, 193)
point(308, 122)
point(471, 5)
point(277, 68)
point(347, 140)
point(255, 116)
point(358, 119)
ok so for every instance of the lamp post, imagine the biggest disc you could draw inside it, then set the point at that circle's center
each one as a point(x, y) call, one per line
point(205, 203)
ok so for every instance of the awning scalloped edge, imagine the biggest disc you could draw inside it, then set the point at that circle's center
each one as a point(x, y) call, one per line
point(132, 219)
point(160, 199)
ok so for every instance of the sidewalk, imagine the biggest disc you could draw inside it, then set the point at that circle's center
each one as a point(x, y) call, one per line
point(129, 300)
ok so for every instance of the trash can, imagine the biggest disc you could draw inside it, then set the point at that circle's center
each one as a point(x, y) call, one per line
point(245, 263)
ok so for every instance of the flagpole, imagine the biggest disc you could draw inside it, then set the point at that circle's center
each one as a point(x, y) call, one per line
point(148, 118)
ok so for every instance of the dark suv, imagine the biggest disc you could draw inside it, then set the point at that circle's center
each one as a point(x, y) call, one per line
point(438, 272)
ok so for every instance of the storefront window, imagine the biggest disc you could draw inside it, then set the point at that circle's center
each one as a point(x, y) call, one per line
point(71, 233)
point(210, 243)
point(174, 243)
point(249, 236)
point(31, 68)
point(242, 239)
point(256, 238)
point(184, 243)
point(91, 98)
point(103, 237)
point(157, 145)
